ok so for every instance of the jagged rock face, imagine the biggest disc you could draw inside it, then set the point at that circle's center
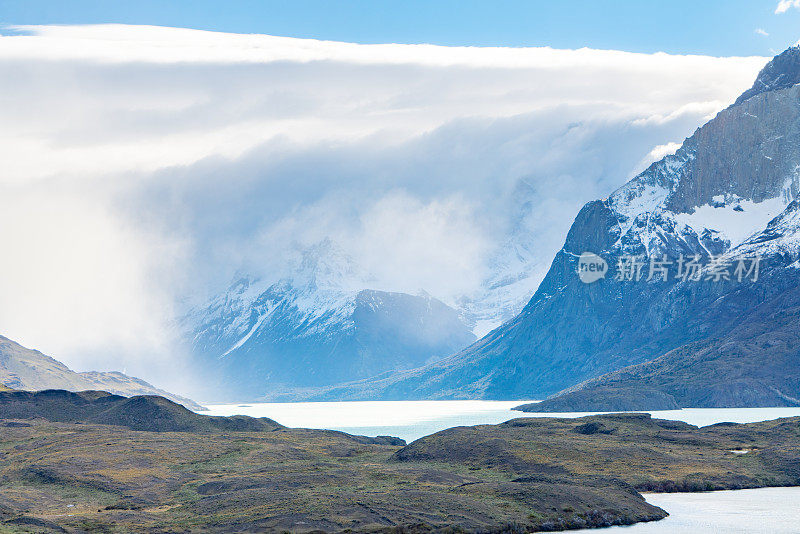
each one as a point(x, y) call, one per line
point(726, 183)
point(782, 72)
point(750, 150)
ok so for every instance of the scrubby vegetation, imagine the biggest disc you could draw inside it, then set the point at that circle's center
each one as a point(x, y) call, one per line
point(521, 476)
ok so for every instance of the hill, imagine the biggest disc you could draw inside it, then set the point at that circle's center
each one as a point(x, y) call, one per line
point(526, 475)
point(26, 369)
point(143, 413)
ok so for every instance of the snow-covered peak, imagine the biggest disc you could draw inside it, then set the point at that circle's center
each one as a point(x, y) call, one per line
point(649, 190)
point(725, 183)
point(326, 266)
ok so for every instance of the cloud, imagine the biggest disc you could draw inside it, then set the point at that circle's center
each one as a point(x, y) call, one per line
point(786, 5)
point(654, 155)
point(143, 166)
point(762, 32)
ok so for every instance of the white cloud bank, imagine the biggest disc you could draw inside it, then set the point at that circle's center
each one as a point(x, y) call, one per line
point(786, 5)
point(142, 165)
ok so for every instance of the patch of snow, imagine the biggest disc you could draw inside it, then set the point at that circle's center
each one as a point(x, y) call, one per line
point(249, 334)
point(734, 225)
point(782, 237)
point(484, 326)
point(630, 202)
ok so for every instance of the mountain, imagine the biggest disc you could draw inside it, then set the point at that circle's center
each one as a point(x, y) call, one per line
point(26, 369)
point(756, 363)
point(319, 327)
point(725, 195)
point(322, 305)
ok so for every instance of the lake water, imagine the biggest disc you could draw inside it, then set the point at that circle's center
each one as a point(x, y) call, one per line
point(411, 420)
point(767, 510)
point(756, 511)
point(408, 420)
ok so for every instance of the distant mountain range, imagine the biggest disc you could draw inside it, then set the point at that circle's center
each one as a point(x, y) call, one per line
point(320, 327)
point(726, 197)
point(30, 370)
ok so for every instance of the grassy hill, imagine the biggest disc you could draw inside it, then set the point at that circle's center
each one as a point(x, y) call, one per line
point(649, 454)
point(145, 413)
point(248, 475)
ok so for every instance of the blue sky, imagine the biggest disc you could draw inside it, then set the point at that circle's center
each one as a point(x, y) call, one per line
point(715, 27)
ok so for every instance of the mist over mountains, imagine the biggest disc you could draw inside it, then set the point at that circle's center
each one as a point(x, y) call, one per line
point(727, 193)
point(317, 328)
point(164, 161)
point(364, 225)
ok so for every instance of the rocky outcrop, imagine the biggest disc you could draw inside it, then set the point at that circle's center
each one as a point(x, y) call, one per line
point(782, 72)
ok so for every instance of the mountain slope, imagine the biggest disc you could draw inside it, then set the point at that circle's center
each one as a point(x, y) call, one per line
point(724, 184)
point(26, 369)
point(314, 329)
point(754, 364)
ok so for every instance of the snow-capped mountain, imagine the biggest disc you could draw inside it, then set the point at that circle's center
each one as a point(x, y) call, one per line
point(512, 280)
point(318, 327)
point(752, 361)
point(726, 194)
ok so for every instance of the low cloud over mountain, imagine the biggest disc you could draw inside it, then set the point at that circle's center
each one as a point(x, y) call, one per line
point(160, 162)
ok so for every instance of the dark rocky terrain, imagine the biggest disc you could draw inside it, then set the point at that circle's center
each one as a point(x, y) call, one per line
point(91, 472)
point(27, 369)
point(605, 399)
